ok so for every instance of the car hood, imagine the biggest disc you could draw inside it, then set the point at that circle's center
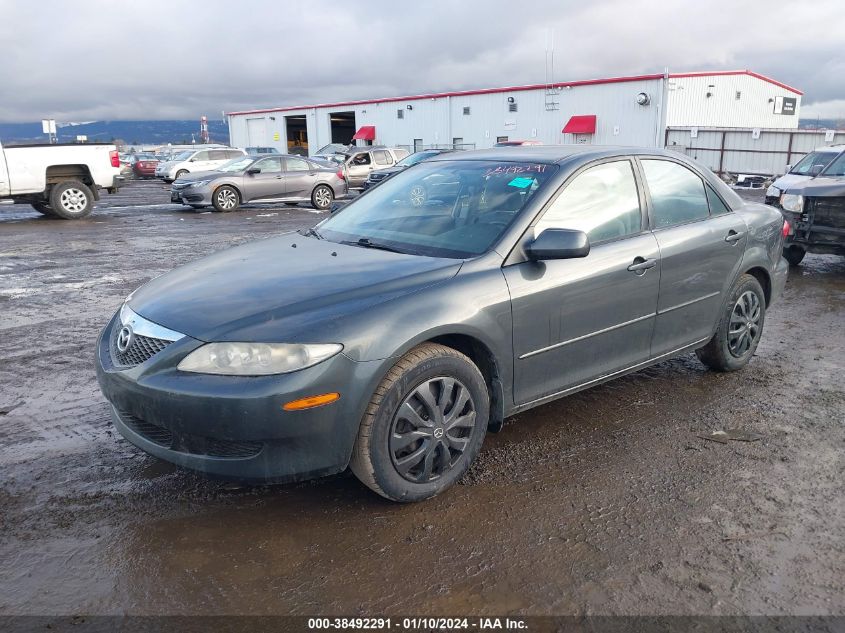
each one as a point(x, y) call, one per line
point(789, 180)
point(201, 175)
point(282, 287)
point(824, 187)
point(388, 171)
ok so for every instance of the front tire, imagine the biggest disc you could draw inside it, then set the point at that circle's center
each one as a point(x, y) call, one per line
point(71, 200)
point(43, 208)
point(794, 254)
point(424, 425)
point(740, 327)
point(226, 199)
point(322, 197)
point(181, 173)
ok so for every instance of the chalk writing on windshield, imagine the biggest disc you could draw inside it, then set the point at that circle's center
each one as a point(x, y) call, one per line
point(512, 168)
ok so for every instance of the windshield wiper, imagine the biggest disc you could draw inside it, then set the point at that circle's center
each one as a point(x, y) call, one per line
point(367, 243)
point(312, 232)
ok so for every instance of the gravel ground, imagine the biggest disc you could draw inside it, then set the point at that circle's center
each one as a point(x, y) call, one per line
point(606, 502)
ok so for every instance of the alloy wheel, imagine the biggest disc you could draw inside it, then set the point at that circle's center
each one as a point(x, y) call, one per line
point(227, 199)
point(322, 197)
point(432, 429)
point(744, 328)
point(73, 200)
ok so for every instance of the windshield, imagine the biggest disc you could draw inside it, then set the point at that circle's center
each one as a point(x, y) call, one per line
point(804, 165)
point(183, 155)
point(837, 167)
point(441, 209)
point(237, 164)
point(413, 159)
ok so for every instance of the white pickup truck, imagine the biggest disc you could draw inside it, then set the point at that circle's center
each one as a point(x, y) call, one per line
point(58, 180)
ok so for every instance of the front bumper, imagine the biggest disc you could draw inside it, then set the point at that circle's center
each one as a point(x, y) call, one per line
point(191, 195)
point(235, 427)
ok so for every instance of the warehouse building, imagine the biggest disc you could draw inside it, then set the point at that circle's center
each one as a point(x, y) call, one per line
point(635, 110)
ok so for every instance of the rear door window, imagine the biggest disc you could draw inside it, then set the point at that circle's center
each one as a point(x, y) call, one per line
point(233, 153)
point(677, 194)
point(717, 207)
point(218, 154)
point(296, 164)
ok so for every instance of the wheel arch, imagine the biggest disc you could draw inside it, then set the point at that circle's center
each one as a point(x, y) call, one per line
point(762, 276)
point(483, 358)
point(231, 186)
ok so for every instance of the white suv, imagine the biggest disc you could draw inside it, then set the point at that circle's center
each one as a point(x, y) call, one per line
point(196, 160)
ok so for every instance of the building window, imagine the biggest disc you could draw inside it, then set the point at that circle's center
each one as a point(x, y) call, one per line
point(512, 107)
point(466, 110)
point(400, 114)
point(738, 95)
point(501, 139)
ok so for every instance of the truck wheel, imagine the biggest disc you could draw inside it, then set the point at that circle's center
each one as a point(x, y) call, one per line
point(424, 425)
point(43, 208)
point(794, 254)
point(71, 200)
point(740, 327)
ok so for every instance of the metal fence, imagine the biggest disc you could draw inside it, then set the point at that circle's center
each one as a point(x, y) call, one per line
point(764, 152)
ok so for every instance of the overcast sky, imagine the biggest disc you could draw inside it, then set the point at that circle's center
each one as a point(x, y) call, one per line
point(152, 59)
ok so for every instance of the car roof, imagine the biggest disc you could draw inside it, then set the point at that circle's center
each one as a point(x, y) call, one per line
point(550, 154)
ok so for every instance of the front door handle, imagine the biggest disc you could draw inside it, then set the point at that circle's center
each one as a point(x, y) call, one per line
point(641, 265)
point(733, 236)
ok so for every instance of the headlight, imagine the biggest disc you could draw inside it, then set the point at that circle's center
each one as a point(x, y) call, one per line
point(792, 202)
point(256, 359)
point(772, 192)
point(198, 183)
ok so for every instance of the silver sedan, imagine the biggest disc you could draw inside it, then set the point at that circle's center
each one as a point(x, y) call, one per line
point(281, 178)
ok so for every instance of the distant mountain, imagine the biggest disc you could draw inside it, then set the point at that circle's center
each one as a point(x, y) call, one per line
point(821, 124)
point(133, 132)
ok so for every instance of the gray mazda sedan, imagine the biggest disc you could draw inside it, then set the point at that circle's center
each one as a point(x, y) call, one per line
point(394, 335)
point(277, 178)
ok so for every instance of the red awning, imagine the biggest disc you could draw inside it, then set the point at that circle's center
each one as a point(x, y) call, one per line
point(365, 133)
point(581, 124)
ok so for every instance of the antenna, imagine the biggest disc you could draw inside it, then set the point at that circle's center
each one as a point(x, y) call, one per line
point(551, 90)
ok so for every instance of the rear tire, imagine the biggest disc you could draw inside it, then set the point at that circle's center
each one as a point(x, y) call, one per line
point(226, 199)
point(424, 425)
point(43, 208)
point(71, 200)
point(740, 327)
point(322, 197)
point(794, 254)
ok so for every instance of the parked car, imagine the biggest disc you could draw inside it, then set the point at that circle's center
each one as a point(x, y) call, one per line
point(194, 161)
point(808, 167)
point(254, 151)
point(391, 337)
point(144, 165)
point(378, 175)
point(516, 143)
point(358, 162)
point(815, 209)
point(282, 178)
point(59, 180)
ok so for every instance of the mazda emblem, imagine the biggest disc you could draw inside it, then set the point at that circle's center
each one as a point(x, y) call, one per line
point(124, 338)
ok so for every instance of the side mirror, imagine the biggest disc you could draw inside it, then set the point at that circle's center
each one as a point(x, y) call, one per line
point(336, 206)
point(253, 170)
point(558, 244)
point(815, 170)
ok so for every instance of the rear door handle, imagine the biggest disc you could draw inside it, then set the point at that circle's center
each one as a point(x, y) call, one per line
point(733, 236)
point(641, 265)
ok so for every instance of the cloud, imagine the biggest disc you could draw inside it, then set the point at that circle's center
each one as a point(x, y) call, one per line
point(176, 59)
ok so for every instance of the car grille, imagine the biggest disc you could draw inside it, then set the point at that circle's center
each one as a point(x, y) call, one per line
point(140, 350)
point(189, 442)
